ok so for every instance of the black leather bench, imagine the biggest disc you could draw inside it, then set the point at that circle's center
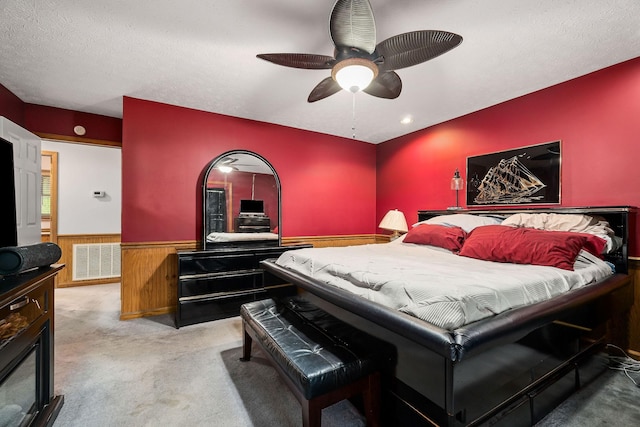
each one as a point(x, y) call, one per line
point(322, 359)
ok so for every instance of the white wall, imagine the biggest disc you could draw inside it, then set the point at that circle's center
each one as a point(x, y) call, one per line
point(83, 169)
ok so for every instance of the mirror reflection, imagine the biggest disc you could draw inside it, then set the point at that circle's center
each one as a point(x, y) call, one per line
point(241, 201)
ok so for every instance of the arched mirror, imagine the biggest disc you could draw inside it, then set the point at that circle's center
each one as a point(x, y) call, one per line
point(241, 201)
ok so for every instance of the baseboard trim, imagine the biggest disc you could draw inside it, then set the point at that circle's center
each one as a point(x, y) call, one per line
point(634, 354)
point(147, 313)
point(88, 282)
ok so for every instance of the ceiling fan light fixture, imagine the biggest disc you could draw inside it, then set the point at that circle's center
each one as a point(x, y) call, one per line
point(354, 74)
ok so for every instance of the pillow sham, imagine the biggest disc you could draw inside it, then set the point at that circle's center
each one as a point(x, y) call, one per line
point(595, 245)
point(521, 245)
point(465, 221)
point(450, 238)
point(561, 222)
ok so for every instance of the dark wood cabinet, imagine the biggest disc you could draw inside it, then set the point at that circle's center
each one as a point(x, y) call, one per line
point(213, 284)
point(26, 348)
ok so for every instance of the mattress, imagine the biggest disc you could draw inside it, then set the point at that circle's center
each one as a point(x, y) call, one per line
point(437, 286)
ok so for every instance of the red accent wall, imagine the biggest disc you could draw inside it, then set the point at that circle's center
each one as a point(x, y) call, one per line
point(11, 106)
point(328, 183)
point(40, 118)
point(597, 118)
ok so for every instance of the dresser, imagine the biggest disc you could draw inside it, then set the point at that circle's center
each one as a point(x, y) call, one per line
point(213, 284)
point(252, 224)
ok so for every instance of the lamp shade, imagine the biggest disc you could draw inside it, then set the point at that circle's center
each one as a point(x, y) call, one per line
point(394, 220)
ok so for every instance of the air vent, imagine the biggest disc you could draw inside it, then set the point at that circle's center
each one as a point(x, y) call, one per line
point(96, 261)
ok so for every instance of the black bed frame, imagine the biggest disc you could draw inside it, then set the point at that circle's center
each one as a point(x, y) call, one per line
point(510, 369)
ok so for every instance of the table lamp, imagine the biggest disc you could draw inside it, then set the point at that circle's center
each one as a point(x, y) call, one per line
point(394, 221)
point(457, 183)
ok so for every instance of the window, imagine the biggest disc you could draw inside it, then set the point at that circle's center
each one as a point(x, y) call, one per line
point(46, 194)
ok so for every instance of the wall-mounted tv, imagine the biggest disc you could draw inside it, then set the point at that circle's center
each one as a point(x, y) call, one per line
point(8, 229)
point(251, 207)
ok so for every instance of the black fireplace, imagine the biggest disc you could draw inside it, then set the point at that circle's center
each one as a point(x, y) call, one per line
point(26, 349)
point(19, 400)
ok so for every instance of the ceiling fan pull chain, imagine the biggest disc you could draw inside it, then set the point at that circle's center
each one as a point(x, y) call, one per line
point(353, 116)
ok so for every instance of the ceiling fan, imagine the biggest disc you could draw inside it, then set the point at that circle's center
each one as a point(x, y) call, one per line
point(358, 63)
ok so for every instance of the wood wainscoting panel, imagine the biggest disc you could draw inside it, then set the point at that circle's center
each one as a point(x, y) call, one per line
point(634, 315)
point(150, 271)
point(150, 277)
point(66, 242)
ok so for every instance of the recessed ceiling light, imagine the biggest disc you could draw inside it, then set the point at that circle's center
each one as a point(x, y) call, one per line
point(79, 130)
point(406, 120)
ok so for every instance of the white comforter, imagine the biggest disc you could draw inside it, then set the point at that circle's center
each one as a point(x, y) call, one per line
point(437, 286)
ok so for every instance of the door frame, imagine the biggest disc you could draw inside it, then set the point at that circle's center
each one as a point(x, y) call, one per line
point(53, 172)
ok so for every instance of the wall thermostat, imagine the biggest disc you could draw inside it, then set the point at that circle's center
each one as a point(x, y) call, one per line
point(99, 194)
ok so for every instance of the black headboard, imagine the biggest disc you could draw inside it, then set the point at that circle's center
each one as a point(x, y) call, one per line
point(618, 218)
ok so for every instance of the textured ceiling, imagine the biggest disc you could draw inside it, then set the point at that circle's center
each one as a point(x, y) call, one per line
point(86, 55)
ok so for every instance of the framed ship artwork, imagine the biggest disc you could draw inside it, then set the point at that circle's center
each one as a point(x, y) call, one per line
point(527, 175)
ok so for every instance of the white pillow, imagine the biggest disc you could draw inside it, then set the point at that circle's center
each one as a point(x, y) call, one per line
point(465, 221)
point(576, 223)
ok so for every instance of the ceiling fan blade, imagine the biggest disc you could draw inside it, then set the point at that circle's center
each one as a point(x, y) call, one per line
point(229, 166)
point(325, 88)
point(387, 85)
point(307, 61)
point(405, 50)
point(352, 25)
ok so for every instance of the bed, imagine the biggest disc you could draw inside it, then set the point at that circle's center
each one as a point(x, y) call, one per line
point(478, 359)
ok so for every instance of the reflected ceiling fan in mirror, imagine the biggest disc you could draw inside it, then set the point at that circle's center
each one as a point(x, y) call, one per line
point(228, 164)
point(243, 163)
point(358, 63)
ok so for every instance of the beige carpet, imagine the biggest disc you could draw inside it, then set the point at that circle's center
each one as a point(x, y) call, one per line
point(144, 372)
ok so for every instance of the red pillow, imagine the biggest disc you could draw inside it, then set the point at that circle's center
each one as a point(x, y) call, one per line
point(521, 245)
point(441, 236)
point(594, 244)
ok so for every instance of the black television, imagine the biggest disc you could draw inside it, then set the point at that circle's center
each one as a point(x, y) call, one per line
point(251, 207)
point(8, 227)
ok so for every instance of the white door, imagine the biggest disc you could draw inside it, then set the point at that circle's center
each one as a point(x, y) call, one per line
point(26, 163)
